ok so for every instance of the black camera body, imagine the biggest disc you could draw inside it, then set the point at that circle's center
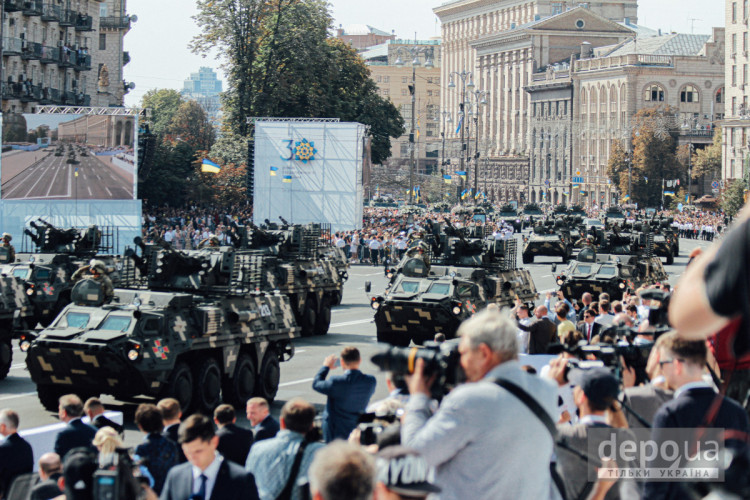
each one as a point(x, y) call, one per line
point(115, 480)
point(440, 359)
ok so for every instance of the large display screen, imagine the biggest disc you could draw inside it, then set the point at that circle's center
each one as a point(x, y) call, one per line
point(67, 157)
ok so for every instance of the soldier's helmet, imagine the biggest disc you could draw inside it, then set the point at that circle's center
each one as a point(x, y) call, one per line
point(98, 266)
point(7, 237)
point(213, 241)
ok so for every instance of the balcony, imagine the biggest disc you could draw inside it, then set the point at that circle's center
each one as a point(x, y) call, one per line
point(50, 55)
point(12, 46)
point(12, 90)
point(114, 22)
point(31, 93)
point(13, 5)
point(84, 23)
point(66, 58)
point(50, 96)
point(68, 97)
point(67, 18)
point(81, 62)
point(51, 13)
point(31, 51)
point(33, 7)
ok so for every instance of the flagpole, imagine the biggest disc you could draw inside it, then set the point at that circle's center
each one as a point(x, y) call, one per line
point(662, 194)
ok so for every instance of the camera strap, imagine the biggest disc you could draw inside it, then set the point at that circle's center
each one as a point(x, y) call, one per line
point(286, 493)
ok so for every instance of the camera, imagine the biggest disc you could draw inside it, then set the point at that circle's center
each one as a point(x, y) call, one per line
point(371, 425)
point(115, 480)
point(634, 356)
point(440, 359)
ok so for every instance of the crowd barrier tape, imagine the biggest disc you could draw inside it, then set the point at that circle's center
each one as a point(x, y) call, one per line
point(42, 439)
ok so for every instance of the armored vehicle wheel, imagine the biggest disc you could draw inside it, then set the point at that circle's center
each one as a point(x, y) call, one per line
point(268, 383)
point(207, 386)
point(337, 296)
point(670, 259)
point(309, 319)
point(180, 387)
point(393, 338)
point(6, 357)
point(49, 396)
point(323, 319)
point(241, 387)
point(527, 258)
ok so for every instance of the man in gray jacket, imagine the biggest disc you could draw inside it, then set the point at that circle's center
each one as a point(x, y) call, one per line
point(483, 441)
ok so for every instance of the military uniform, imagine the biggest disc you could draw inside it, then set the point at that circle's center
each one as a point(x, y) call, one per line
point(85, 272)
point(9, 250)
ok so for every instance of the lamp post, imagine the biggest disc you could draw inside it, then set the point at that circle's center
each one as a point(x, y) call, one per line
point(413, 53)
point(443, 164)
point(467, 82)
point(480, 99)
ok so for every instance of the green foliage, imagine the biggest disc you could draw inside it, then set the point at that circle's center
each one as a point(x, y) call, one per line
point(172, 175)
point(280, 62)
point(230, 148)
point(707, 161)
point(190, 124)
point(164, 104)
point(654, 154)
point(733, 198)
point(617, 167)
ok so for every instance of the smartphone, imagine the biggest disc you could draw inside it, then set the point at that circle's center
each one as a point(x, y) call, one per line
point(337, 363)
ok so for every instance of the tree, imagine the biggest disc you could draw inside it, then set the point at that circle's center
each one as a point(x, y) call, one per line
point(617, 167)
point(733, 198)
point(190, 123)
point(164, 104)
point(707, 161)
point(230, 148)
point(280, 62)
point(654, 154)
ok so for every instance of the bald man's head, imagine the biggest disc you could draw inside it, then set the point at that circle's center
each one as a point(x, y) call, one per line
point(49, 464)
point(540, 311)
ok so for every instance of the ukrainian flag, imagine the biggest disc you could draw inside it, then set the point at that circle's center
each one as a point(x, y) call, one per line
point(210, 167)
point(461, 173)
point(273, 171)
point(476, 196)
point(447, 179)
point(668, 193)
point(287, 178)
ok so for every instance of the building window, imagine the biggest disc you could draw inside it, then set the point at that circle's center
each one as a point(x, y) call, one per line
point(689, 94)
point(731, 169)
point(386, 91)
point(404, 79)
point(734, 12)
point(429, 80)
point(734, 106)
point(386, 79)
point(734, 75)
point(654, 93)
point(102, 41)
point(429, 93)
point(734, 44)
point(403, 91)
point(720, 95)
point(103, 10)
point(744, 43)
point(557, 8)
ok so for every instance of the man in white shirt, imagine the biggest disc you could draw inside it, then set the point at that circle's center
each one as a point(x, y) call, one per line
point(206, 475)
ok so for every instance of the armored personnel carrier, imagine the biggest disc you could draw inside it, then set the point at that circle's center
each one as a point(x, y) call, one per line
point(531, 214)
point(442, 207)
point(302, 264)
point(510, 216)
point(666, 240)
point(434, 293)
point(58, 253)
point(190, 325)
point(16, 313)
point(549, 238)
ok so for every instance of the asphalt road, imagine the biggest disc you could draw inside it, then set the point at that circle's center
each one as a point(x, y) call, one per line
point(351, 324)
point(51, 177)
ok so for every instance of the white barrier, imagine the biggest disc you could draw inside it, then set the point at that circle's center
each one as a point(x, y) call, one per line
point(538, 361)
point(42, 439)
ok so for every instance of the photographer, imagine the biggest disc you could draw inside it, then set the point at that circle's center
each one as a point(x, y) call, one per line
point(484, 442)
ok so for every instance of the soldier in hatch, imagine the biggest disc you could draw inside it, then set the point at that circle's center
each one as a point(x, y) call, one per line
point(212, 242)
point(9, 250)
point(419, 251)
point(97, 271)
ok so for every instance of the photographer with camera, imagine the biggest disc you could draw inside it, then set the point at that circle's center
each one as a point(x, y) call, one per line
point(484, 441)
point(280, 462)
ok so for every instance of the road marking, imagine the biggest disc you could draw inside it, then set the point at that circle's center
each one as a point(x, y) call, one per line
point(285, 384)
point(22, 395)
point(18, 365)
point(547, 276)
point(370, 274)
point(348, 323)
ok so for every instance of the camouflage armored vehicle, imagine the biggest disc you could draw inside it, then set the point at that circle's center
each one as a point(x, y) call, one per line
point(302, 265)
point(191, 325)
point(46, 274)
point(16, 314)
point(510, 216)
point(442, 207)
point(666, 240)
point(577, 211)
point(531, 214)
point(613, 274)
point(614, 214)
point(435, 293)
point(549, 238)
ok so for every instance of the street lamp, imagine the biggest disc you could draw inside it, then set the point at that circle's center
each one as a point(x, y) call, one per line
point(413, 52)
point(480, 99)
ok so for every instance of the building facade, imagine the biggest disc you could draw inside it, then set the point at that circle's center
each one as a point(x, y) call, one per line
point(391, 67)
point(204, 87)
point(56, 52)
point(498, 46)
point(735, 148)
point(684, 72)
point(363, 36)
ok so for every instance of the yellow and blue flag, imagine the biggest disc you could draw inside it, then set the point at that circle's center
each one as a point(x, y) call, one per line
point(273, 171)
point(668, 193)
point(210, 167)
point(287, 178)
point(447, 179)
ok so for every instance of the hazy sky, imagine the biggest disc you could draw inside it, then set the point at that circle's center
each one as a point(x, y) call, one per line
point(160, 58)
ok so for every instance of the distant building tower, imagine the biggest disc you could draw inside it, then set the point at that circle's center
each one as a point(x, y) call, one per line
point(205, 88)
point(363, 36)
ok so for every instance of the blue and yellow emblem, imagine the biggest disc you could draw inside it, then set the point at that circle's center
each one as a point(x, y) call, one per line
point(304, 151)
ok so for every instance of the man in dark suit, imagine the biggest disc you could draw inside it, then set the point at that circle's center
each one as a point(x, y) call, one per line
point(16, 457)
point(541, 330)
point(94, 409)
point(208, 475)
point(75, 434)
point(50, 470)
point(695, 404)
point(586, 300)
point(348, 394)
point(259, 415)
point(234, 441)
point(588, 327)
point(171, 414)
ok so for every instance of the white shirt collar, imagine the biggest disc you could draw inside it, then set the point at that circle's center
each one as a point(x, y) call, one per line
point(692, 385)
point(658, 380)
point(593, 419)
point(211, 472)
